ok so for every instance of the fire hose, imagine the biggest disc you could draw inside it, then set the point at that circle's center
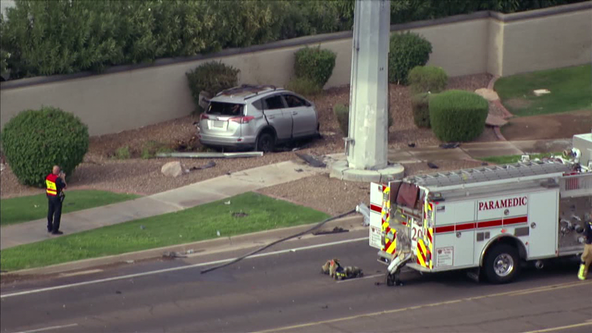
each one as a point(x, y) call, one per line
point(316, 226)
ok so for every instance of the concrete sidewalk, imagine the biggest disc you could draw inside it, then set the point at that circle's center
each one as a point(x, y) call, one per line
point(161, 203)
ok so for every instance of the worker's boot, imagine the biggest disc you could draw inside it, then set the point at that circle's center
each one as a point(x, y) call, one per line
point(582, 272)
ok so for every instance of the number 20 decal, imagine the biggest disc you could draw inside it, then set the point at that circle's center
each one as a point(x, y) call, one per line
point(417, 233)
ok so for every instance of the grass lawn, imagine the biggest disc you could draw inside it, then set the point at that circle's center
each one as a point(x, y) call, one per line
point(23, 209)
point(570, 87)
point(246, 213)
point(507, 159)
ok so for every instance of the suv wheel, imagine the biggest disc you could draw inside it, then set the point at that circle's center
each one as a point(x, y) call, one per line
point(265, 142)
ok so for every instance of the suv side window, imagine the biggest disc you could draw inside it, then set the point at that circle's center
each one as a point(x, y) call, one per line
point(274, 102)
point(258, 104)
point(294, 101)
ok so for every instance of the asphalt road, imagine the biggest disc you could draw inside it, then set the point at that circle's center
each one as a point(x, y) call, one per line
point(285, 292)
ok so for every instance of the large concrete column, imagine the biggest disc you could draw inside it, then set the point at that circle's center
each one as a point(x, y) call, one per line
point(367, 144)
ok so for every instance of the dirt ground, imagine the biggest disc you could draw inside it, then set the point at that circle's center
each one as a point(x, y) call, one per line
point(100, 169)
point(334, 196)
point(551, 126)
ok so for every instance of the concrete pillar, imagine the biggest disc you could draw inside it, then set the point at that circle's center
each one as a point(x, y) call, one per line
point(368, 122)
point(367, 144)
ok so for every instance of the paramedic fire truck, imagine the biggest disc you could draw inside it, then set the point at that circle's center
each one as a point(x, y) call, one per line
point(487, 219)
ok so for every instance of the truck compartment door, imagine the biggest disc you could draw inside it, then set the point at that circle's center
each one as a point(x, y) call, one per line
point(542, 220)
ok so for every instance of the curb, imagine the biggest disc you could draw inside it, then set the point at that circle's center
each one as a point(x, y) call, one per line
point(205, 247)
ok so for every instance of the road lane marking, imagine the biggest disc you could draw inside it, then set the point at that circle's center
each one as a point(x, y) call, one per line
point(380, 313)
point(587, 323)
point(173, 269)
point(538, 290)
point(90, 271)
point(361, 278)
point(49, 328)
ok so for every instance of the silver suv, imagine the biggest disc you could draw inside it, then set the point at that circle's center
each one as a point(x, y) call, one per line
point(256, 117)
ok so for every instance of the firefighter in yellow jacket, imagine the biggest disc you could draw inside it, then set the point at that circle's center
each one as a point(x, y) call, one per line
point(587, 254)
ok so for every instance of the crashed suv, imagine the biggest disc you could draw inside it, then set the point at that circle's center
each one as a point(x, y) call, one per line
point(256, 117)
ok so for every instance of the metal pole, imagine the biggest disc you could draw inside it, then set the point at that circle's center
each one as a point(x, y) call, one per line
point(367, 144)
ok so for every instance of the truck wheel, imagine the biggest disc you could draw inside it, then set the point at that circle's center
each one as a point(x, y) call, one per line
point(502, 264)
point(265, 142)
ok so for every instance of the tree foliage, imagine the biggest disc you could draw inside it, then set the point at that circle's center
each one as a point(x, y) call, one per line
point(45, 37)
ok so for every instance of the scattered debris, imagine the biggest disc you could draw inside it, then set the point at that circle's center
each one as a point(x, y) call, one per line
point(129, 261)
point(432, 165)
point(227, 202)
point(118, 292)
point(484, 163)
point(142, 227)
point(541, 92)
point(325, 307)
point(210, 164)
point(298, 170)
point(239, 214)
point(218, 233)
point(377, 283)
point(312, 160)
point(335, 230)
point(412, 145)
point(172, 169)
point(212, 155)
point(450, 145)
point(173, 255)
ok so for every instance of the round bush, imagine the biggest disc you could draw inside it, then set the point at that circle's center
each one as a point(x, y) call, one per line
point(423, 79)
point(407, 50)
point(314, 64)
point(457, 115)
point(36, 140)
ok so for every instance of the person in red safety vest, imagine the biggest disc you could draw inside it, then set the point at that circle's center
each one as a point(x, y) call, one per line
point(55, 184)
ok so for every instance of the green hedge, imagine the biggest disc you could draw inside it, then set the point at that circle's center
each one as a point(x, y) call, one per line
point(304, 86)
point(421, 110)
point(36, 140)
point(73, 36)
point(315, 64)
point(407, 50)
point(211, 77)
point(457, 115)
point(423, 79)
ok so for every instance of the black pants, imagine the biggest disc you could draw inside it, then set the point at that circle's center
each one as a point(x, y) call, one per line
point(54, 213)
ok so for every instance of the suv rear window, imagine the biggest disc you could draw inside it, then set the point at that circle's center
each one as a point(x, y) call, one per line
point(225, 109)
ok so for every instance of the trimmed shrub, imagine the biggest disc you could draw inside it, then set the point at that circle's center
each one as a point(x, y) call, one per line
point(211, 77)
point(423, 79)
point(314, 64)
point(36, 140)
point(342, 113)
point(304, 86)
point(407, 50)
point(457, 115)
point(421, 110)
